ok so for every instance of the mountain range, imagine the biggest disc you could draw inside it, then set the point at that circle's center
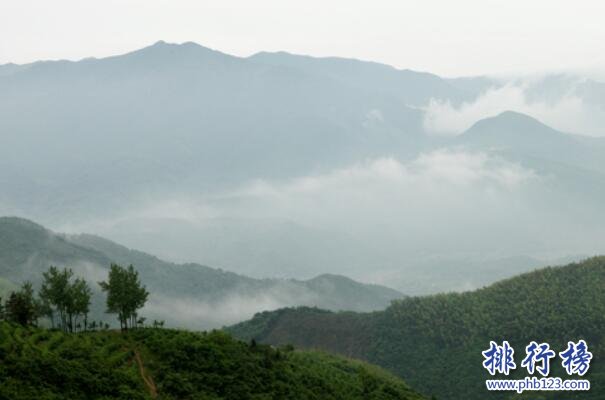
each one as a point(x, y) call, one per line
point(185, 295)
point(290, 166)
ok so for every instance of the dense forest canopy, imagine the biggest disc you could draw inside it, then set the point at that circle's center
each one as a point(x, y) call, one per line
point(435, 342)
point(168, 364)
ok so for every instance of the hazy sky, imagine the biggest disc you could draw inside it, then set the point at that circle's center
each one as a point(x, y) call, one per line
point(446, 37)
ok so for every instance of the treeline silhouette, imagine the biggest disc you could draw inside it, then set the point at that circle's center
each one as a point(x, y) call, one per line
point(65, 300)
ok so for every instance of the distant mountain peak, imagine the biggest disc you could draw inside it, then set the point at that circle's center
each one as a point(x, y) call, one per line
point(513, 117)
point(515, 114)
point(161, 44)
point(334, 277)
point(162, 51)
point(511, 124)
point(189, 44)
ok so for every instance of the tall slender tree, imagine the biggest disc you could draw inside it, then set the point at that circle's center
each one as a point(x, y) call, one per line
point(125, 294)
point(54, 291)
point(79, 305)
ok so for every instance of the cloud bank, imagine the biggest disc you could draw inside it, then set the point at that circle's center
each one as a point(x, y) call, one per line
point(376, 212)
point(371, 220)
point(382, 189)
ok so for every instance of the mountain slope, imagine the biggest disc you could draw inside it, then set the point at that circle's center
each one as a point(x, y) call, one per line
point(435, 342)
point(196, 117)
point(254, 247)
point(570, 168)
point(520, 136)
point(215, 297)
point(408, 87)
point(166, 364)
point(186, 152)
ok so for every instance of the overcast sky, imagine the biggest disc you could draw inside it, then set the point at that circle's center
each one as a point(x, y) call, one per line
point(450, 38)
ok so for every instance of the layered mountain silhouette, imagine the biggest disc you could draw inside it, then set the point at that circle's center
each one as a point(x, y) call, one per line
point(196, 155)
point(169, 117)
point(187, 295)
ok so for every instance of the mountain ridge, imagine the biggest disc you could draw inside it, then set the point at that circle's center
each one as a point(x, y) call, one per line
point(153, 153)
point(398, 83)
point(27, 249)
point(435, 342)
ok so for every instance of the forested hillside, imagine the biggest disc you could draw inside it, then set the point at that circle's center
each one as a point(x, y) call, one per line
point(435, 342)
point(185, 295)
point(168, 364)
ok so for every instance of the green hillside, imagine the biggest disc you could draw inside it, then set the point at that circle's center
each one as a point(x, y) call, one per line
point(169, 364)
point(27, 249)
point(435, 342)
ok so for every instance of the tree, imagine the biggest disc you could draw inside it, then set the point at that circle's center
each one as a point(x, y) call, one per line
point(79, 302)
point(125, 294)
point(54, 291)
point(69, 299)
point(21, 307)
